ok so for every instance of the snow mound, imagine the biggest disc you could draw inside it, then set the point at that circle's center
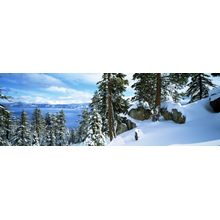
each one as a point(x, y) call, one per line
point(169, 106)
point(214, 94)
point(202, 127)
point(137, 104)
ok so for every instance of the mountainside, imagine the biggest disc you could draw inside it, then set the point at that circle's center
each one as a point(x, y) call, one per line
point(202, 127)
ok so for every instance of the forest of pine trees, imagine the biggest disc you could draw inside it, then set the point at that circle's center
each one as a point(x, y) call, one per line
point(100, 120)
point(37, 131)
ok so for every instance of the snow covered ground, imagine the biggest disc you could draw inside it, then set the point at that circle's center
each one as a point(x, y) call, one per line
point(202, 127)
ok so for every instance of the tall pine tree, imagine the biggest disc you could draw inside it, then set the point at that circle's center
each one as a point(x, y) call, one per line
point(38, 126)
point(61, 130)
point(23, 134)
point(112, 103)
point(144, 87)
point(157, 87)
point(199, 86)
point(5, 122)
point(83, 126)
point(95, 136)
point(50, 138)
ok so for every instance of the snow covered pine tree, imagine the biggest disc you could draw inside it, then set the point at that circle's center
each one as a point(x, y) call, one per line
point(38, 126)
point(5, 123)
point(23, 135)
point(199, 86)
point(95, 136)
point(50, 138)
point(61, 130)
point(112, 102)
point(154, 88)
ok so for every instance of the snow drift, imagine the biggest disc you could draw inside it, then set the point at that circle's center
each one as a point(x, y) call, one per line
point(202, 126)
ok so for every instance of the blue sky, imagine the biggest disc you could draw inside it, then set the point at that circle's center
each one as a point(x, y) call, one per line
point(52, 88)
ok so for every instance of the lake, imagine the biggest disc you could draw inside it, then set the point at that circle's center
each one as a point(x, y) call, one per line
point(73, 115)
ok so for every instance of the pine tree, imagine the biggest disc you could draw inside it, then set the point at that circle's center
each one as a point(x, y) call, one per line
point(38, 125)
point(199, 86)
point(154, 88)
point(23, 134)
point(50, 138)
point(35, 139)
point(5, 122)
point(95, 136)
point(5, 126)
point(73, 137)
point(172, 83)
point(112, 102)
point(83, 126)
point(61, 131)
point(145, 88)
point(96, 101)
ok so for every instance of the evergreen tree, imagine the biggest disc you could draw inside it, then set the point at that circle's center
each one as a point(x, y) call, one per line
point(50, 138)
point(172, 83)
point(112, 102)
point(5, 126)
point(154, 88)
point(73, 137)
point(38, 125)
point(145, 87)
point(35, 139)
point(157, 87)
point(96, 101)
point(5, 122)
point(83, 126)
point(199, 86)
point(61, 131)
point(23, 134)
point(95, 136)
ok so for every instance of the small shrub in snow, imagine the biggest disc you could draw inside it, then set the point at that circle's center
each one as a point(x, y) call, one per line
point(137, 134)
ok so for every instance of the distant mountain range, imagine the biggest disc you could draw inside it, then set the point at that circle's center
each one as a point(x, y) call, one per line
point(34, 105)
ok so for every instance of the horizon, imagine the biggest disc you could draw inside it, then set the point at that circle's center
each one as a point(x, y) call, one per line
point(52, 88)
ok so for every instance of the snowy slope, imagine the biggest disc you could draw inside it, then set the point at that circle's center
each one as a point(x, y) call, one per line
point(202, 127)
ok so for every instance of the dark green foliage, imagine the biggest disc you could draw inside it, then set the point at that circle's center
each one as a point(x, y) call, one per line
point(23, 134)
point(95, 136)
point(38, 126)
point(83, 126)
point(50, 138)
point(199, 86)
point(56, 132)
point(73, 137)
point(61, 131)
point(145, 88)
point(5, 126)
point(171, 85)
point(113, 86)
point(5, 122)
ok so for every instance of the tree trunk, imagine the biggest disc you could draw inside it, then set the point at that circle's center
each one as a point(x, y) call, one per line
point(200, 86)
point(110, 109)
point(158, 98)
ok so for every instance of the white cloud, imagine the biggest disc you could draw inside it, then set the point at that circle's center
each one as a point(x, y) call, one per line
point(58, 89)
point(42, 79)
point(69, 96)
